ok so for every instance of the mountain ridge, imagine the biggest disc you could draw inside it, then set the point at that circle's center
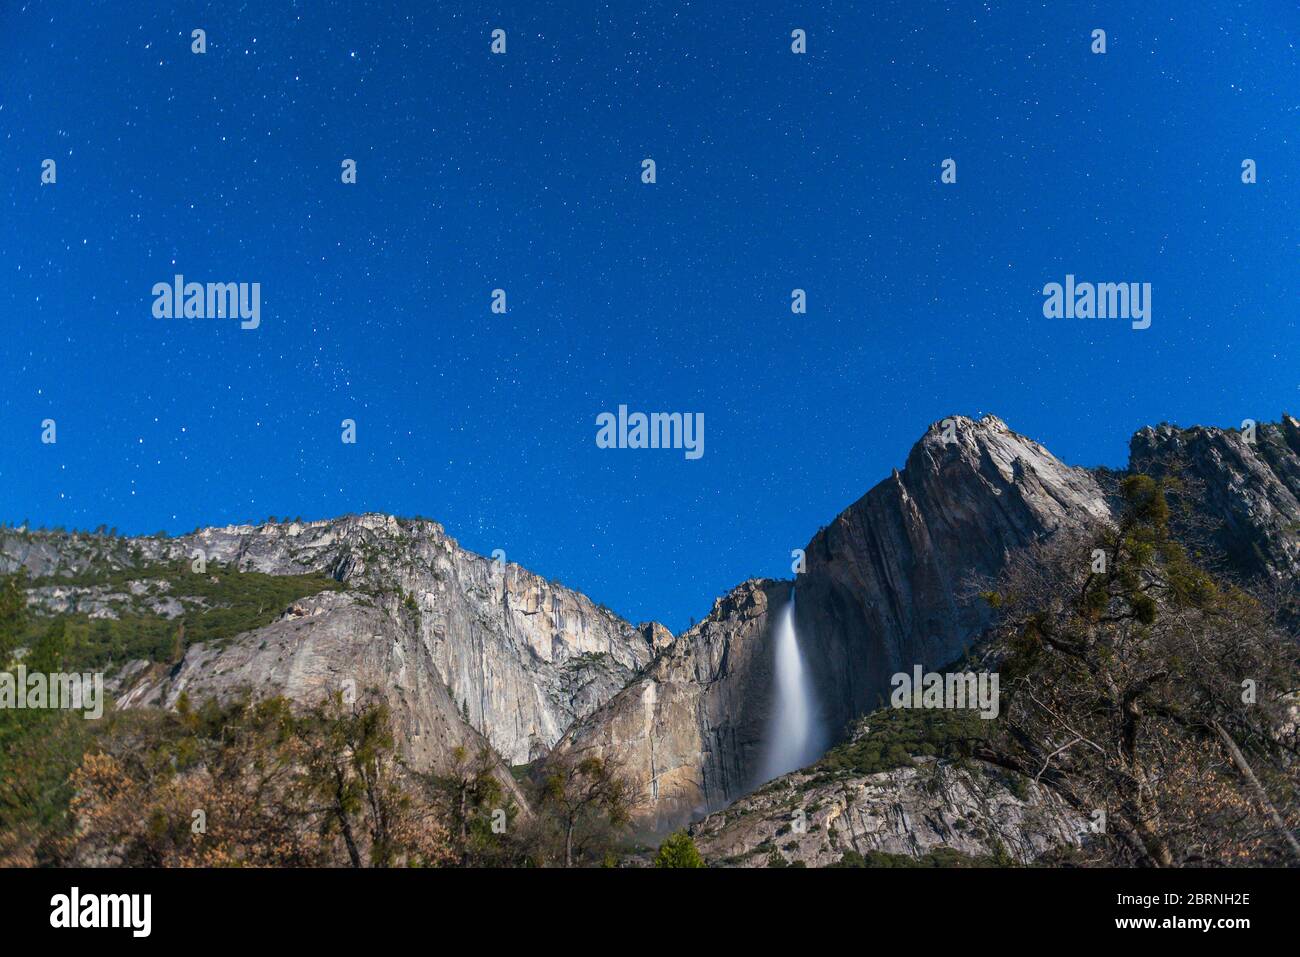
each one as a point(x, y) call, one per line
point(470, 649)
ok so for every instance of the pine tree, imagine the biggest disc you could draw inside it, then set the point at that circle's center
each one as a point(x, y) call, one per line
point(678, 850)
point(13, 615)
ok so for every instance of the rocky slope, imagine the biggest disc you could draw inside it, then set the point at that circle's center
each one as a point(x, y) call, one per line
point(813, 820)
point(347, 643)
point(523, 657)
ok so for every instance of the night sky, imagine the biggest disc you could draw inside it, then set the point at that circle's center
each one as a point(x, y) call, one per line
point(522, 171)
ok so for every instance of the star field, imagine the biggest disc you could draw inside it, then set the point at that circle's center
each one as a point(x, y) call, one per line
point(521, 171)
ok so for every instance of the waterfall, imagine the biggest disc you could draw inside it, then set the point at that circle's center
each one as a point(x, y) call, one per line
point(795, 737)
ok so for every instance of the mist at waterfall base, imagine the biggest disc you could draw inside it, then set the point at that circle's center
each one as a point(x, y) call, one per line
point(796, 735)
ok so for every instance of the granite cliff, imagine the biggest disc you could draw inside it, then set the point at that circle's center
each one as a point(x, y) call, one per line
point(519, 656)
point(1246, 489)
point(892, 581)
point(884, 589)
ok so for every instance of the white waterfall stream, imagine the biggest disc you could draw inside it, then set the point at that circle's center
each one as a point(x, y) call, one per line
point(795, 737)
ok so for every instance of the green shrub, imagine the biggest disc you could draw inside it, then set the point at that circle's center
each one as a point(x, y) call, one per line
point(895, 735)
point(678, 850)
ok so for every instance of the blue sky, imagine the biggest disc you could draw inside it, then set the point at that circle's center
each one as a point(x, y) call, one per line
point(775, 171)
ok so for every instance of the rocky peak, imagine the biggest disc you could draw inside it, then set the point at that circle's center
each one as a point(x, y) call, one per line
point(890, 582)
point(883, 591)
point(656, 636)
point(962, 450)
point(1248, 492)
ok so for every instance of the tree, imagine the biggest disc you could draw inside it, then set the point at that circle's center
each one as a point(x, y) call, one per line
point(1135, 686)
point(249, 785)
point(588, 798)
point(203, 787)
point(178, 644)
point(13, 614)
point(49, 650)
point(678, 850)
point(470, 796)
point(350, 778)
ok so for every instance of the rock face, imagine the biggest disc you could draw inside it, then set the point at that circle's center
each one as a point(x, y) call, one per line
point(971, 809)
point(1250, 491)
point(334, 642)
point(522, 656)
point(889, 583)
point(689, 729)
point(881, 593)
